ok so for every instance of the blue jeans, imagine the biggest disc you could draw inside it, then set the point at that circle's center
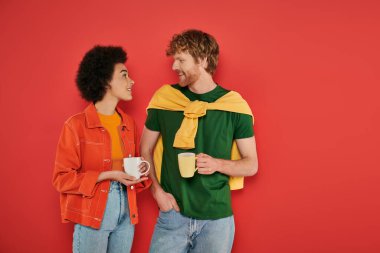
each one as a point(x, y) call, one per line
point(179, 234)
point(116, 232)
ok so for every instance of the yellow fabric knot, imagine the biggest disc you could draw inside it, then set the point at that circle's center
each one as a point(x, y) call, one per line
point(185, 135)
point(195, 109)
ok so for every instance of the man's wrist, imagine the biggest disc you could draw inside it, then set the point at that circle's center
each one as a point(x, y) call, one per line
point(219, 165)
point(155, 189)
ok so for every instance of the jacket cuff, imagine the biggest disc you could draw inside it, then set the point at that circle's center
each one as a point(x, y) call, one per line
point(87, 187)
point(143, 185)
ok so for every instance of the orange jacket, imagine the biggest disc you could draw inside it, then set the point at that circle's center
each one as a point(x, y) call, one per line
point(83, 152)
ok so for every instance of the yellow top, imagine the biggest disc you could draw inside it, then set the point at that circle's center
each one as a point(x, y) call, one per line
point(111, 123)
point(169, 98)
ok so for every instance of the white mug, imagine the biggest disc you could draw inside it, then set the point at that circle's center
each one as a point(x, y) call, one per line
point(131, 166)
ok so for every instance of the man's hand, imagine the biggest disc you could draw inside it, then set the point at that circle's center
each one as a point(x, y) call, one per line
point(207, 165)
point(165, 201)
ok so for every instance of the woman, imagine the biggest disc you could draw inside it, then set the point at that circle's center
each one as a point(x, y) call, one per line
point(96, 193)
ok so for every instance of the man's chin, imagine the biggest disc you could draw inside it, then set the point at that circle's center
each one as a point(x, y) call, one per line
point(182, 84)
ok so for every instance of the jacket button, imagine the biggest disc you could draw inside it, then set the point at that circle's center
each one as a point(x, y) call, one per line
point(133, 215)
point(132, 187)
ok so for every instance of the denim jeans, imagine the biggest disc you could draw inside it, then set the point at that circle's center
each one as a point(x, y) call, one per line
point(175, 233)
point(116, 232)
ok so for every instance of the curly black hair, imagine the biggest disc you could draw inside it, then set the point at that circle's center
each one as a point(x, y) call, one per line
point(96, 69)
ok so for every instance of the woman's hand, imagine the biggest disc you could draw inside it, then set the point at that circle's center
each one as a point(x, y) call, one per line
point(121, 177)
point(143, 167)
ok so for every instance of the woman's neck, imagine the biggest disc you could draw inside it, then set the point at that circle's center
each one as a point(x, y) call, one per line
point(106, 106)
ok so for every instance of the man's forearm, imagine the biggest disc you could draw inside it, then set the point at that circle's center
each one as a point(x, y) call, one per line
point(243, 167)
point(148, 156)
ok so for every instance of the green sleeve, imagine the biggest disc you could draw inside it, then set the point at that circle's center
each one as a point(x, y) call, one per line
point(152, 120)
point(243, 126)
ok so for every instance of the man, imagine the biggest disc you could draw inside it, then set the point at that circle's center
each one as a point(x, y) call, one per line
point(197, 115)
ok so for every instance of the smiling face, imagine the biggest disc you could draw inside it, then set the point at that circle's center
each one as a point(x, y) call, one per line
point(121, 84)
point(188, 70)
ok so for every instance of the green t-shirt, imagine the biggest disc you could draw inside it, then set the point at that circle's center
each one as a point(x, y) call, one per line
point(202, 196)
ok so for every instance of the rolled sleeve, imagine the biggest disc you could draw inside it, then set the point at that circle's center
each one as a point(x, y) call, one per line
point(143, 185)
point(88, 184)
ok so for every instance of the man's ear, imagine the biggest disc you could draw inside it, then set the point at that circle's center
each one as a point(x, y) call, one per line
point(204, 62)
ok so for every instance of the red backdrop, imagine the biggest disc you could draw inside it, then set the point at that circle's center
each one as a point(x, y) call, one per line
point(309, 70)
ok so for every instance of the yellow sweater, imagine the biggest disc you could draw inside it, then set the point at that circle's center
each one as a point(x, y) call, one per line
point(171, 99)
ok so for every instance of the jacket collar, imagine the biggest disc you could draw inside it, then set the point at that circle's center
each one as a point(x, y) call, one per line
point(93, 121)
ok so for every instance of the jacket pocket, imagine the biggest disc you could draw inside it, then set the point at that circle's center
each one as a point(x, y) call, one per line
point(78, 203)
point(92, 155)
